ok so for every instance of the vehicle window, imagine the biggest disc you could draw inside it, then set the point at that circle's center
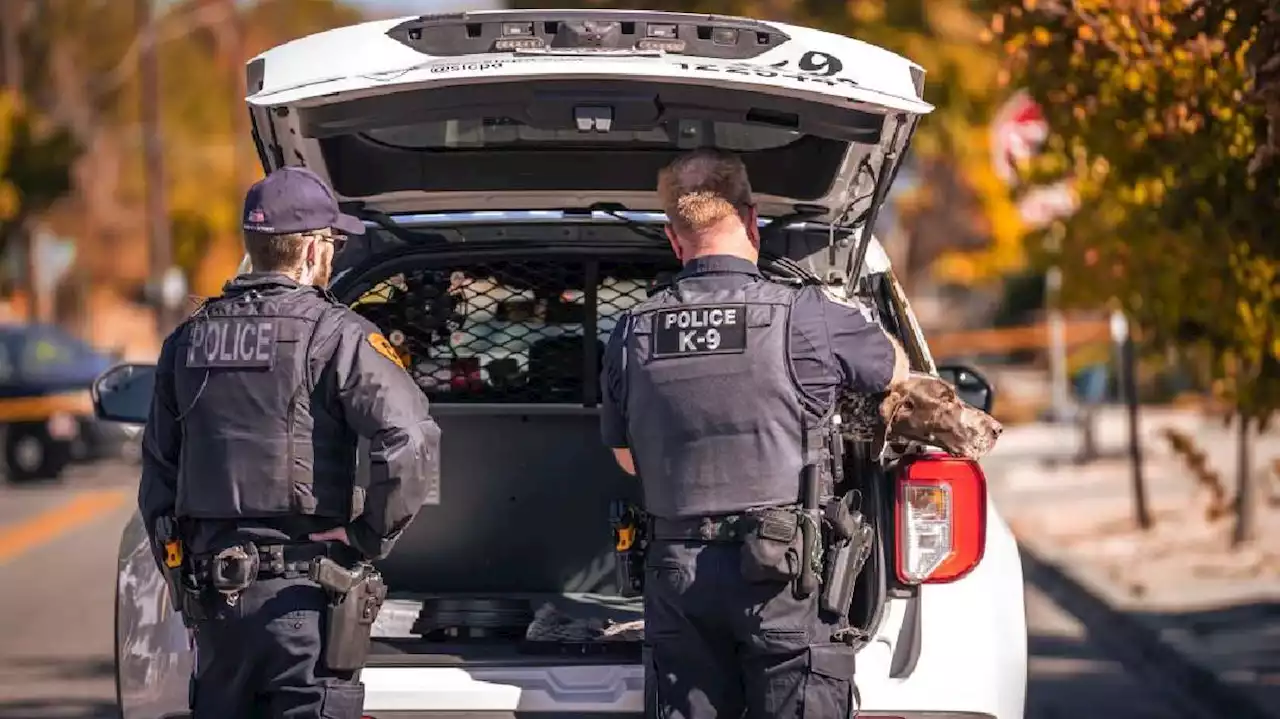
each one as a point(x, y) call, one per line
point(495, 132)
point(47, 351)
point(508, 332)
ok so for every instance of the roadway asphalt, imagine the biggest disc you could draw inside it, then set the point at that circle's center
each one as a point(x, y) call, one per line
point(58, 547)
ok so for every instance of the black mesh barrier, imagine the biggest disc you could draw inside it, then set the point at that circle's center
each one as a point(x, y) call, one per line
point(511, 331)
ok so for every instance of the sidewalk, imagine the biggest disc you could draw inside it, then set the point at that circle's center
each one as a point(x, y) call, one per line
point(1216, 608)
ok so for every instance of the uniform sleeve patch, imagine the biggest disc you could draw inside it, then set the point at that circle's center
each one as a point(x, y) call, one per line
point(695, 331)
point(382, 346)
point(232, 343)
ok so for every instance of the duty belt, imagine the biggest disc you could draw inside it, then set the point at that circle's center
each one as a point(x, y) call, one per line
point(715, 528)
point(275, 560)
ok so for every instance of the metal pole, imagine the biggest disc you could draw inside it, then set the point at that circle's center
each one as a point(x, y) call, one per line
point(1060, 397)
point(1246, 518)
point(11, 37)
point(1123, 333)
point(153, 160)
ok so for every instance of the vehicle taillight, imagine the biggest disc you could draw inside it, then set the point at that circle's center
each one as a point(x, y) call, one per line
point(942, 519)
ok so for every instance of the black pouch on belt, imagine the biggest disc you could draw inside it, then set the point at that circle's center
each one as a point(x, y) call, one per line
point(771, 548)
point(349, 624)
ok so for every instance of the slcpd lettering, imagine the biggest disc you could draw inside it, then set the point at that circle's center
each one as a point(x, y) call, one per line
point(466, 67)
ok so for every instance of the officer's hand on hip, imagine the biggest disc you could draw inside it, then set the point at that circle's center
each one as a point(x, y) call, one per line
point(338, 534)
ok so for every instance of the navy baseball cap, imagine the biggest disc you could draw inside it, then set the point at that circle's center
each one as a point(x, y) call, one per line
point(295, 199)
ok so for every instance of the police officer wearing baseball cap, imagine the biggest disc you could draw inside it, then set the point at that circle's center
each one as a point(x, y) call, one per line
point(249, 460)
point(718, 392)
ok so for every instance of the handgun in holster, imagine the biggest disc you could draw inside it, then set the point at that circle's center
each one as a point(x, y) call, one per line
point(849, 538)
point(184, 593)
point(629, 543)
point(356, 596)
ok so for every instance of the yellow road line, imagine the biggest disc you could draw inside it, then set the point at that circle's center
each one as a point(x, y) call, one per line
point(48, 525)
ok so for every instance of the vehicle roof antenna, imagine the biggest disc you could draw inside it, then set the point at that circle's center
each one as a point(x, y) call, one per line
point(884, 179)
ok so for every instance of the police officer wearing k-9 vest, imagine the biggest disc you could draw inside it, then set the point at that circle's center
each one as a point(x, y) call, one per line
point(249, 469)
point(718, 393)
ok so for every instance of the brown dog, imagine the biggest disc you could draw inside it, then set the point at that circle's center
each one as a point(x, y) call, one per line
point(927, 409)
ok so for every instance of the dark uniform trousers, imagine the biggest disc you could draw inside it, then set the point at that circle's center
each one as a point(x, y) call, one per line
point(718, 645)
point(263, 657)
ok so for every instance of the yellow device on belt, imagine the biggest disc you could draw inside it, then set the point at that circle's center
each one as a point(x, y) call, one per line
point(173, 554)
point(626, 536)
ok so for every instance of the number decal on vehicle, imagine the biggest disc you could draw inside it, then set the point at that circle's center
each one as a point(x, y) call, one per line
point(820, 63)
point(826, 64)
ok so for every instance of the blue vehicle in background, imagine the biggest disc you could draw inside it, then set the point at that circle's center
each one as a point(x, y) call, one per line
point(46, 412)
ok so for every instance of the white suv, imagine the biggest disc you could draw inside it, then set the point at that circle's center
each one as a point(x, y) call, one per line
point(505, 162)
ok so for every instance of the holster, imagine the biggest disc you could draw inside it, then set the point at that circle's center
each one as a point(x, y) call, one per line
point(849, 538)
point(185, 593)
point(355, 598)
point(811, 532)
point(772, 548)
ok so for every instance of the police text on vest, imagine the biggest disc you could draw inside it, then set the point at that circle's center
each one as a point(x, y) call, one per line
point(704, 330)
point(243, 342)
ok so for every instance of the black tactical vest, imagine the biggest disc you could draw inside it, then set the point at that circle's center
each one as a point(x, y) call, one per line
point(257, 440)
point(715, 418)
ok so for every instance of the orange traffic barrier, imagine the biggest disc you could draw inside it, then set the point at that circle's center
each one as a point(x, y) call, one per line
point(1004, 340)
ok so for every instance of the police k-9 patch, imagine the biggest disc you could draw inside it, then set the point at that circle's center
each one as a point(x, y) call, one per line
point(233, 343)
point(706, 330)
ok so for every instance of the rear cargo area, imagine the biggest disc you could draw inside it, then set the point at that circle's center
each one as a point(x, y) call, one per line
point(517, 561)
point(446, 630)
point(516, 564)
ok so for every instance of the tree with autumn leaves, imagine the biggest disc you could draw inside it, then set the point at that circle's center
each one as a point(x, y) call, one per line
point(1165, 115)
point(79, 94)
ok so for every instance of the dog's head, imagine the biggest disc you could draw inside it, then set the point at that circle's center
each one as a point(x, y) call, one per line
point(927, 409)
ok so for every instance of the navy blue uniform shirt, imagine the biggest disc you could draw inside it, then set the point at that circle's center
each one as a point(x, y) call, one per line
point(833, 346)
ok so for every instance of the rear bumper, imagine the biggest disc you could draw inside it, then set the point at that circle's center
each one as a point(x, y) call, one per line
point(609, 715)
point(629, 715)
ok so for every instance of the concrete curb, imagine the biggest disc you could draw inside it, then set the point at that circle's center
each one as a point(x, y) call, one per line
point(1137, 644)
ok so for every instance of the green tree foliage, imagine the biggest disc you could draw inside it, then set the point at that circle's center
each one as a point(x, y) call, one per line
point(35, 165)
point(961, 202)
point(1161, 111)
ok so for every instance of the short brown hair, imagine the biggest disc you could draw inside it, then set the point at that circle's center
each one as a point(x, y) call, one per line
point(278, 253)
point(702, 188)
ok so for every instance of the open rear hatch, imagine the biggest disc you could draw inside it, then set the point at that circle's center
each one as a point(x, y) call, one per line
point(577, 109)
